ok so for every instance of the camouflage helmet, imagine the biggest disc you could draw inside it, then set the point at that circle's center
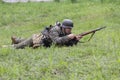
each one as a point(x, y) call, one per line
point(67, 23)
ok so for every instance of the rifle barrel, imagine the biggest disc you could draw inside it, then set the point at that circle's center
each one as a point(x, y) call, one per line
point(92, 31)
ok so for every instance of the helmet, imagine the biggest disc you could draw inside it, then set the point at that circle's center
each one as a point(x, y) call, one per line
point(67, 23)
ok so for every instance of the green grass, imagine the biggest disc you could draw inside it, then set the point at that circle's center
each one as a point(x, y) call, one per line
point(98, 59)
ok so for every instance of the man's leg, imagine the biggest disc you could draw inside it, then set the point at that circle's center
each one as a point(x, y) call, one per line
point(16, 40)
point(24, 43)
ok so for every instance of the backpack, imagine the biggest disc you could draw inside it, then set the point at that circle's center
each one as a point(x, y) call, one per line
point(47, 42)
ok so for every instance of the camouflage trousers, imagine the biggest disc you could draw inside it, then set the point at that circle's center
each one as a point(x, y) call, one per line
point(34, 41)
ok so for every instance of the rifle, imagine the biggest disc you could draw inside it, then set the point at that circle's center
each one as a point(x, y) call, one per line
point(89, 32)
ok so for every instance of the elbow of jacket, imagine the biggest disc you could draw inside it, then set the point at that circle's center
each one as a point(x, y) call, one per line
point(57, 41)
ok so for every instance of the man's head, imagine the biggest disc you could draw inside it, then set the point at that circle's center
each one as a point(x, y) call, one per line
point(67, 25)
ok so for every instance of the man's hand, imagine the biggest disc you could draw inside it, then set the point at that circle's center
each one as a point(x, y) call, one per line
point(71, 36)
point(78, 37)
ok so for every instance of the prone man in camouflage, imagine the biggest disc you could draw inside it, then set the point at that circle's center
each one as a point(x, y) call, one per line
point(59, 34)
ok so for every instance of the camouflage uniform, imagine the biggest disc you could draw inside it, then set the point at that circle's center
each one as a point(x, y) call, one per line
point(56, 36)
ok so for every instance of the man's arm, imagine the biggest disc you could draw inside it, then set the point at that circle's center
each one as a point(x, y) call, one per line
point(54, 35)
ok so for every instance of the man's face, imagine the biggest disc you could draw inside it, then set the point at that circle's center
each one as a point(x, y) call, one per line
point(68, 30)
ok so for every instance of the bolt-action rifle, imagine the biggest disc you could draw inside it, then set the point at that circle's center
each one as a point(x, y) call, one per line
point(89, 32)
point(92, 32)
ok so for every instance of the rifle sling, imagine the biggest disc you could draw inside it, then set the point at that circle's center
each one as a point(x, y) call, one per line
point(89, 38)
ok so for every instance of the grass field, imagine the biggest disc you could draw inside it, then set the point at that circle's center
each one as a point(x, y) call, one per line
point(98, 59)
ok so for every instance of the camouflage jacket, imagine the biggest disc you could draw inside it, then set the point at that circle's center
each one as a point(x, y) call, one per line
point(58, 37)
